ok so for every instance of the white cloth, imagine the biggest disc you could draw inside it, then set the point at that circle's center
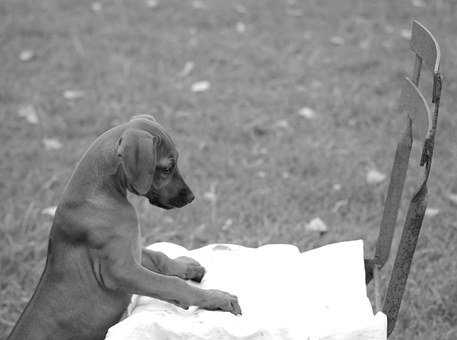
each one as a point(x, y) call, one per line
point(284, 295)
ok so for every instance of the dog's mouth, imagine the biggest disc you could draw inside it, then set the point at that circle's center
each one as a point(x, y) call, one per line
point(161, 205)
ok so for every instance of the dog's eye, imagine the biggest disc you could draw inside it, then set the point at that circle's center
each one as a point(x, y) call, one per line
point(166, 170)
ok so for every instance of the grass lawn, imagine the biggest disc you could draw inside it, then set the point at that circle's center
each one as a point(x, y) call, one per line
point(268, 169)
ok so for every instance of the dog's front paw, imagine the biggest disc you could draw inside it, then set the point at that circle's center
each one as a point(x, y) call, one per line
point(219, 300)
point(178, 303)
point(191, 269)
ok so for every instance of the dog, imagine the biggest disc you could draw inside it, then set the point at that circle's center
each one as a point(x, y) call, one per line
point(94, 260)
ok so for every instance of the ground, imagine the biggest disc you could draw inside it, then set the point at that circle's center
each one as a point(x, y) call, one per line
point(259, 169)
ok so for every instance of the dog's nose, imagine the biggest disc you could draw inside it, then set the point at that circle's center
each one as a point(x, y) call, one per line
point(190, 196)
point(186, 195)
point(183, 197)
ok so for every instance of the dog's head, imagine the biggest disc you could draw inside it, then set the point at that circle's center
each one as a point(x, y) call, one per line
point(148, 157)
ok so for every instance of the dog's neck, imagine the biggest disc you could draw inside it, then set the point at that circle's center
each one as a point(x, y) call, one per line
point(118, 181)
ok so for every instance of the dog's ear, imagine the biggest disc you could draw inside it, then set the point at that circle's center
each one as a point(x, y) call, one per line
point(137, 150)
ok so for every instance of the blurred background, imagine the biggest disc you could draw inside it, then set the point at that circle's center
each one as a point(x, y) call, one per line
point(284, 112)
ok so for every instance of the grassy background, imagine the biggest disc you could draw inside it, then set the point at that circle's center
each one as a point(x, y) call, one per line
point(270, 169)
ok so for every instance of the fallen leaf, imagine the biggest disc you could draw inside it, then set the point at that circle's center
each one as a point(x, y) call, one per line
point(337, 187)
point(389, 29)
point(201, 234)
point(210, 195)
point(432, 212)
point(240, 9)
point(168, 219)
point(282, 123)
point(339, 204)
point(365, 44)
point(183, 114)
point(152, 3)
point(307, 113)
point(52, 143)
point(375, 177)
point(51, 211)
point(51, 182)
point(262, 174)
point(258, 150)
point(29, 113)
point(316, 84)
point(26, 55)
point(388, 44)
point(202, 145)
point(193, 41)
point(254, 164)
point(96, 6)
point(316, 224)
point(73, 94)
point(228, 223)
point(337, 40)
point(418, 3)
point(452, 197)
point(201, 86)
point(295, 12)
point(187, 69)
point(307, 35)
point(240, 27)
point(197, 4)
point(405, 33)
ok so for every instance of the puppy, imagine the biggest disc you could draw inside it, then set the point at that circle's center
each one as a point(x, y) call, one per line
point(94, 261)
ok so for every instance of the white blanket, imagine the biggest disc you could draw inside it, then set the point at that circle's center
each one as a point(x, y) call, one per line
point(284, 295)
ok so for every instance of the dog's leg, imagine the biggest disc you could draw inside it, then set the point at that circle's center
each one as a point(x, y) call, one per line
point(183, 267)
point(120, 271)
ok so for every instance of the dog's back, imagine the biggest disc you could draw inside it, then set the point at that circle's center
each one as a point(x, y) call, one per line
point(66, 285)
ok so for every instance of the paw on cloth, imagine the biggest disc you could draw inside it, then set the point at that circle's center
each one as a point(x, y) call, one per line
point(284, 295)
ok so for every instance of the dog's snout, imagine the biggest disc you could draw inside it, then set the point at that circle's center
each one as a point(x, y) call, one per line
point(186, 195)
point(183, 197)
